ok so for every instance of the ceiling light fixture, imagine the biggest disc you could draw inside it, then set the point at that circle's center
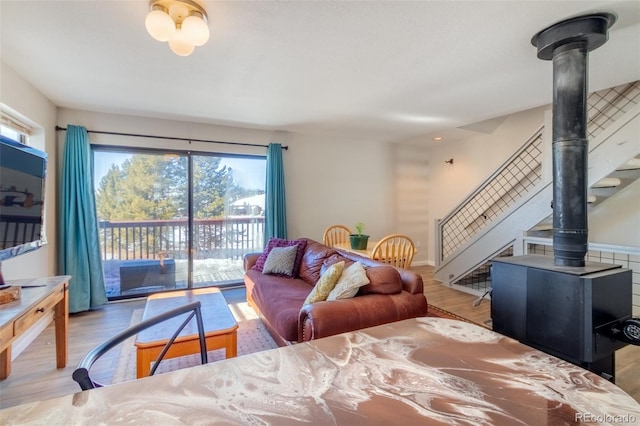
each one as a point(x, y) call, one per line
point(183, 23)
point(438, 138)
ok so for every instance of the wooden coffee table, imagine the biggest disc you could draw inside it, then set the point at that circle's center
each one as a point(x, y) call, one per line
point(220, 327)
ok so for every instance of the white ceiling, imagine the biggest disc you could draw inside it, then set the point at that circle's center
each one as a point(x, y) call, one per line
point(384, 70)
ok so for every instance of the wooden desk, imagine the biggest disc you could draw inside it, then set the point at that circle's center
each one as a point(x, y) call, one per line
point(365, 253)
point(220, 327)
point(40, 297)
point(420, 371)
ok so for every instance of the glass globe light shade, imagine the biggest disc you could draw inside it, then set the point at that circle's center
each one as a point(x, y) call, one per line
point(180, 45)
point(160, 25)
point(196, 29)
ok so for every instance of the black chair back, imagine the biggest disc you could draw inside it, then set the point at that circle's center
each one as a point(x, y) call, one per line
point(81, 373)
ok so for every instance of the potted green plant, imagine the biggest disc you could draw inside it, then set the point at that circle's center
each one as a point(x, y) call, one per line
point(359, 240)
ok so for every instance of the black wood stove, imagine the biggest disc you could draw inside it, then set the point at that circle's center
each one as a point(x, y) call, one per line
point(576, 310)
point(569, 312)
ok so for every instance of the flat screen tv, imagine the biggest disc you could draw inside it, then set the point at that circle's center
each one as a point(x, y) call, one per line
point(22, 179)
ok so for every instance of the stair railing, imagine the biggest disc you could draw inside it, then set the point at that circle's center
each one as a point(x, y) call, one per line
point(515, 177)
point(505, 187)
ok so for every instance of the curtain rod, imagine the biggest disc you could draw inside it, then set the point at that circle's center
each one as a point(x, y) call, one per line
point(137, 135)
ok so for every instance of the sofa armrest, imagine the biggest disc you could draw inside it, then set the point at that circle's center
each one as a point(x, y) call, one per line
point(327, 318)
point(249, 259)
point(411, 281)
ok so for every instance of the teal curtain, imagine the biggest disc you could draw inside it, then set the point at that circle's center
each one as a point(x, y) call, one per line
point(275, 221)
point(79, 244)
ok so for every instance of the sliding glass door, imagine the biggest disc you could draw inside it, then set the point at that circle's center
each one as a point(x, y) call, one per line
point(176, 220)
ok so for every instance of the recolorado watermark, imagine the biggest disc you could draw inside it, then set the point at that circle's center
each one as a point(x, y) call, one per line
point(605, 418)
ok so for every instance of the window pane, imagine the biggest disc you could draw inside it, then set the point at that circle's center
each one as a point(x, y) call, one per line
point(228, 216)
point(13, 134)
point(141, 201)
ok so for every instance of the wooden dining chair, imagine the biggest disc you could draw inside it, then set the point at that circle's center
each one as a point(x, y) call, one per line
point(396, 249)
point(336, 234)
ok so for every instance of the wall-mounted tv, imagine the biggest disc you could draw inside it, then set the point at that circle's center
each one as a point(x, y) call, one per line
point(22, 179)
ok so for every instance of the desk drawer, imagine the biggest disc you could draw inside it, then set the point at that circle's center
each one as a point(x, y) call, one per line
point(37, 312)
point(6, 334)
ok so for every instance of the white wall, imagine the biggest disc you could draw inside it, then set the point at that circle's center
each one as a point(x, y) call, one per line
point(391, 188)
point(412, 197)
point(25, 102)
point(339, 182)
point(474, 160)
point(327, 180)
point(617, 219)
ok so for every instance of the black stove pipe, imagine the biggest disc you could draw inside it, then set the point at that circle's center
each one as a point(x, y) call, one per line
point(568, 43)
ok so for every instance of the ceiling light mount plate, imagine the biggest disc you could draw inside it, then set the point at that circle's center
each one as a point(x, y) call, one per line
point(179, 10)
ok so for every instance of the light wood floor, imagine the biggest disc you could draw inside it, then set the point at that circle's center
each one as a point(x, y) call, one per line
point(34, 376)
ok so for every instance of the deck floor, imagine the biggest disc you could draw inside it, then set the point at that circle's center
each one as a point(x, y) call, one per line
point(207, 272)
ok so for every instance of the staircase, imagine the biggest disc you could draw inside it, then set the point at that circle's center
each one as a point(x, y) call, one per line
point(516, 200)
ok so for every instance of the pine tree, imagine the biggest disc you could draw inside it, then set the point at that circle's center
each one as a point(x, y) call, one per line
point(149, 186)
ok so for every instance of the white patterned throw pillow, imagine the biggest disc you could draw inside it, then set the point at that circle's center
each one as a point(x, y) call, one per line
point(280, 261)
point(350, 281)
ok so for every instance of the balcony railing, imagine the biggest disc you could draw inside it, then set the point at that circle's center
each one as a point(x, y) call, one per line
point(227, 238)
point(143, 257)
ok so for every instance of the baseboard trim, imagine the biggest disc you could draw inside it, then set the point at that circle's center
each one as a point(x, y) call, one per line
point(423, 263)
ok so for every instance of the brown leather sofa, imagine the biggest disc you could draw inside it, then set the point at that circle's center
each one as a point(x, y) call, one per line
point(393, 294)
